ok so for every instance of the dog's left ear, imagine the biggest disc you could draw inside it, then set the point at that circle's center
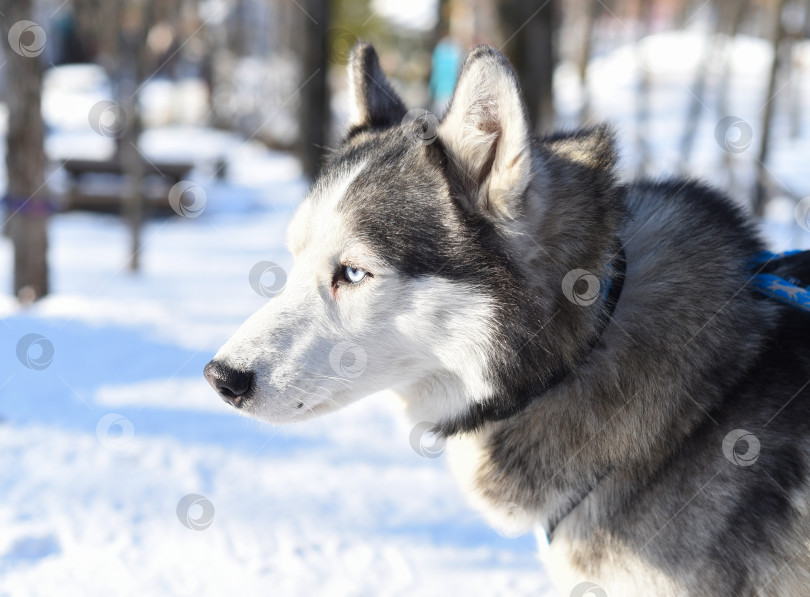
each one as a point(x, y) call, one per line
point(373, 102)
point(487, 134)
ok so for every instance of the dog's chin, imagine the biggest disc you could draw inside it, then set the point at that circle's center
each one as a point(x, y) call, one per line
point(280, 411)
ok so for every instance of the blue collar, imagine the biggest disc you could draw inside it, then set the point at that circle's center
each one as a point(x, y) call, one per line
point(787, 289)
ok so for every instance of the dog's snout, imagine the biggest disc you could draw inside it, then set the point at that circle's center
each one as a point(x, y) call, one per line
point(231, 384)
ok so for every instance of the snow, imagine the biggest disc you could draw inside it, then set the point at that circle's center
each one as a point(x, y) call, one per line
point(419, 15)
point(101, 448)
point(98, 449)
point(671, 60)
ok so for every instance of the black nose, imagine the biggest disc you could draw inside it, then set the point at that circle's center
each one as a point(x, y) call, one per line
point(231, 384)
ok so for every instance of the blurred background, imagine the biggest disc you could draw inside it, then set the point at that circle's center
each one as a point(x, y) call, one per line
point(155, 151)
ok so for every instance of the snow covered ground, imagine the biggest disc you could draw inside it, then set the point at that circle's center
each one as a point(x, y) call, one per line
point(98, 448)
point(121, 473)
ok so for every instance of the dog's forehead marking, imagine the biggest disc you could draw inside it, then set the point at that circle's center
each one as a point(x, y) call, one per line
point(334, 186)
point(317, 218)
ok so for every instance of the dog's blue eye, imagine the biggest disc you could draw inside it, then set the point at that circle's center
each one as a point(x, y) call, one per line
point(354, 274)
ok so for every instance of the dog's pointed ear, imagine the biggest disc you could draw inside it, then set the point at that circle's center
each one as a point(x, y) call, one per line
point(591, 148)
point(373, 102)
point(487, 134)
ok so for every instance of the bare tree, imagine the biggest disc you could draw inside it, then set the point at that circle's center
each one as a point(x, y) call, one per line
point(313, 107)
point(124, 53)
point(728, 16)
point(644, 90)
point(135, 60)
point(27, 220)
point(528, 30)
point(592, 10)
point(761, 192)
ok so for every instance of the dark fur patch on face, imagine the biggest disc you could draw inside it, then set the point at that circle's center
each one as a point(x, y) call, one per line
point(408, 203)
point(437, 209)
point(401, 204)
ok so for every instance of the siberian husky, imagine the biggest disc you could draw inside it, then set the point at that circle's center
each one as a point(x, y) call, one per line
point(593, 350)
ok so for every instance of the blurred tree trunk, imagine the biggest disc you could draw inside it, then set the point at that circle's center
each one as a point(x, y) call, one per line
point(591, 12)
point(644, 90)
point(27, 220)
point(796, 70)
point(313, 107)
point(133, 70)
point(442, 28)
point(724, 13)
point(131, 161)
point(761, 191)
point(528, 30)
point(92, 27)
point(738, 10)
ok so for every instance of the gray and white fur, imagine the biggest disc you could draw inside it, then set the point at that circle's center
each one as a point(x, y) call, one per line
point(439, 263)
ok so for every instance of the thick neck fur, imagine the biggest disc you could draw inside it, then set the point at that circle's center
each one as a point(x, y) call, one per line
point(683, 317)
point(570, 220)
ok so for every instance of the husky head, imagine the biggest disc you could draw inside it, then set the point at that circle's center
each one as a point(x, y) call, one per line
point(429, 258)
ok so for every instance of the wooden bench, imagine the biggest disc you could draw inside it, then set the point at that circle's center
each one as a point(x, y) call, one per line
point(158, 178)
